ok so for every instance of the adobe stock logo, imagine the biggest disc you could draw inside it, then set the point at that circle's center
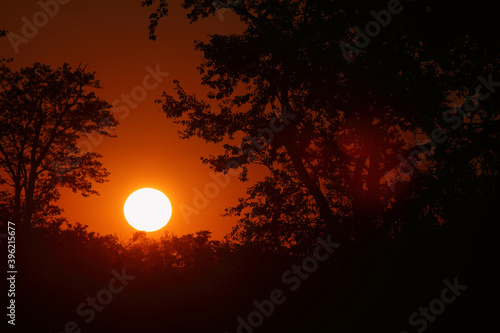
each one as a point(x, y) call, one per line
point(121, 106)
point(293, 279)
point(40, 19)
point(437, 306)
point(456, 115)
point(250, 147)
point(103, 298)
point(372, 29)
point(221, 8)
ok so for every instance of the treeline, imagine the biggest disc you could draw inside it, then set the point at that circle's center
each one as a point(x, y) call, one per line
point(190, 283)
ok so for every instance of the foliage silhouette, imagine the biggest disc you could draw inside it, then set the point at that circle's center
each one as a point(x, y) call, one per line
point(325, 171)
point(352, 120)
point(44, 114)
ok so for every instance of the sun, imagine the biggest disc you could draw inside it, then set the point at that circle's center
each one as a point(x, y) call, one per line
point(147, 209)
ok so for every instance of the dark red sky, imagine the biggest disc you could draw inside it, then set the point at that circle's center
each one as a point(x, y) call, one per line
point(111, 37)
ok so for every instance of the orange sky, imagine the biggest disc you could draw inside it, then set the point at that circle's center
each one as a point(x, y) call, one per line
point(111, 37)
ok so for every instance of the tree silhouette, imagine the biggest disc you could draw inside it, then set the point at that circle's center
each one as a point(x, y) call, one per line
point(352, 121)
point(45, 114)
point(327, 130)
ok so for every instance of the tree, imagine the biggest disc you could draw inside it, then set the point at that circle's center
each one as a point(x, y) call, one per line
point(351, 119)
point(45, 114)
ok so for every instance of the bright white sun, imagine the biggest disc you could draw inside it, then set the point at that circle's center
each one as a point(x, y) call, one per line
point(147, 209)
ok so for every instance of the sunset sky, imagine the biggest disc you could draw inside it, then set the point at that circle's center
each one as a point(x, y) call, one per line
point(369, 130)
point(111, 38)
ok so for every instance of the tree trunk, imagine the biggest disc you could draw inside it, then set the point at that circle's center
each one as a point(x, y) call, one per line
point(29, 200)
point(17, 203)
point(336, 230)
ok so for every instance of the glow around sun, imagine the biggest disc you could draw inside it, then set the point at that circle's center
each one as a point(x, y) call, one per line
point(147, 209)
